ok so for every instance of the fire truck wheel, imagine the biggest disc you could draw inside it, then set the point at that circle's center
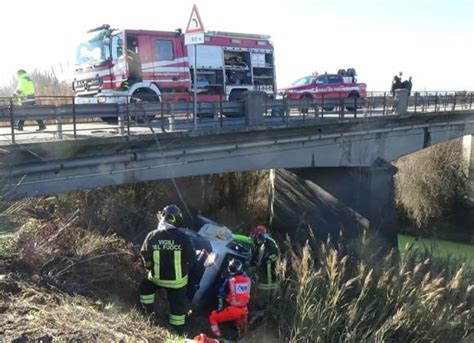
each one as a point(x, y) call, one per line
point(328, 108)
point(352, 96)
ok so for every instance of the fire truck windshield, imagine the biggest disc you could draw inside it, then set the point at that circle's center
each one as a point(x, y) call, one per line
point(93, 50)
point(303, 81)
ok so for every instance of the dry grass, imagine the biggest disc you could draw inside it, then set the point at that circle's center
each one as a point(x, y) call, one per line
point(72, 284)
point(330, 297)
point(33, 313)
point(325, 295)
point(239, 200)
point(236, 199)
point(78, 261)
point(63, 283)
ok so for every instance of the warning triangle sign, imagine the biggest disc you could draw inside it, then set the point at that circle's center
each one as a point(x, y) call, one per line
point(195, 24)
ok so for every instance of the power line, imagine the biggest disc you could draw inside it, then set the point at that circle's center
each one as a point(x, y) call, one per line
point(180, 195)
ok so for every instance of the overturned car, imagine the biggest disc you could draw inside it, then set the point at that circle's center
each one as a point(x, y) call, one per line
point(215, 246)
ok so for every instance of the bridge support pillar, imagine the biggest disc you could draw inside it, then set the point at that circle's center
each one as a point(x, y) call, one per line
point(332, 200)
point(468, 156)
point(381, 200)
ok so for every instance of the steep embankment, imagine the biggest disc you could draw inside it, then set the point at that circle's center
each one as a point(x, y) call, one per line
point(70, 266)
point(61, 282)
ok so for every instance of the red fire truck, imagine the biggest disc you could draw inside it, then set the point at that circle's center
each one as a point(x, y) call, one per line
point(327, 86)
point(113, 65)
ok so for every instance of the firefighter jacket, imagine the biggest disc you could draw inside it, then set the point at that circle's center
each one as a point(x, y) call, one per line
point(236, 290)
point(168, 255)
point(266, 256)
point(25, 89)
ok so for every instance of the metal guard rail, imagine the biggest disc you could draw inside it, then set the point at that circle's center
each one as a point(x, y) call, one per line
point(375, 104)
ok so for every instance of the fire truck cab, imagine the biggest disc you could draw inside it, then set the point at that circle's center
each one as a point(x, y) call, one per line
point(116, 66)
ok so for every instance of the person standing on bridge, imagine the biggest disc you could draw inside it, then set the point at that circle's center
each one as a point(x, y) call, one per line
point(168, 255)
point(409, 85)
point(25, 94)
point(396, 84)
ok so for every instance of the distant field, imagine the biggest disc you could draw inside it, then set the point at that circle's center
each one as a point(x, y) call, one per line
point(440, 248)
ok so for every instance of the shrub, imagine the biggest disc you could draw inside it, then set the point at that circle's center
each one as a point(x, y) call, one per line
point(430, 182)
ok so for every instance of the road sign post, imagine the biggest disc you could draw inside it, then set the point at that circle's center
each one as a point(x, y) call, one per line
point(195, 87)
point(194, 35)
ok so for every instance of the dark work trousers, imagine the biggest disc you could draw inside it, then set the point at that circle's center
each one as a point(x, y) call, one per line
point(19, 123)
point(176, 300)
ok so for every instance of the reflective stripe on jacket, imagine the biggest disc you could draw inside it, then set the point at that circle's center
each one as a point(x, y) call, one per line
point(270, 283)
point(266, 264)
point(168, 255)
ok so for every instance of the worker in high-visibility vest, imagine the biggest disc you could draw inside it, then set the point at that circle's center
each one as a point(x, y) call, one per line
point(168, 255)
point(234, 296)
point(25, 94)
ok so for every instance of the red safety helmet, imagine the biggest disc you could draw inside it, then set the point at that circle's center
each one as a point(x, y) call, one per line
point(258, 230)
point(259, 233)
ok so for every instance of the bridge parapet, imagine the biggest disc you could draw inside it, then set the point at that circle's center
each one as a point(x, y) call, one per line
point(401, 102)
point(68, 120)
point(254, 108)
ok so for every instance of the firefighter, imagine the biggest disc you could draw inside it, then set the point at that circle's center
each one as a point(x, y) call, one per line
point(168, 255)
point(134, 62)
point(235, 293)
point(25, 93)
point(264, 259)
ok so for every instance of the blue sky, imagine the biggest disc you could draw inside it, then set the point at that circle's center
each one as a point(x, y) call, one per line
point(431, 40)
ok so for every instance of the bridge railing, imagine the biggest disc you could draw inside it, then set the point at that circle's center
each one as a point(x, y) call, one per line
point(67, 119)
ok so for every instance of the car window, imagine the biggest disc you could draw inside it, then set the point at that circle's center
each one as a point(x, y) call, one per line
point(303, 81)
point(321, 80)
point(333, 79)
point(117, 46)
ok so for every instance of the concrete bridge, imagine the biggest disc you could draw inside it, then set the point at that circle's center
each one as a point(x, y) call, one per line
point(328, 146)
point(51, 167)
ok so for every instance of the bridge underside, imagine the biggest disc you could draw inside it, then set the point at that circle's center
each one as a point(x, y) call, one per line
point(331, 201)
point(44, 168)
